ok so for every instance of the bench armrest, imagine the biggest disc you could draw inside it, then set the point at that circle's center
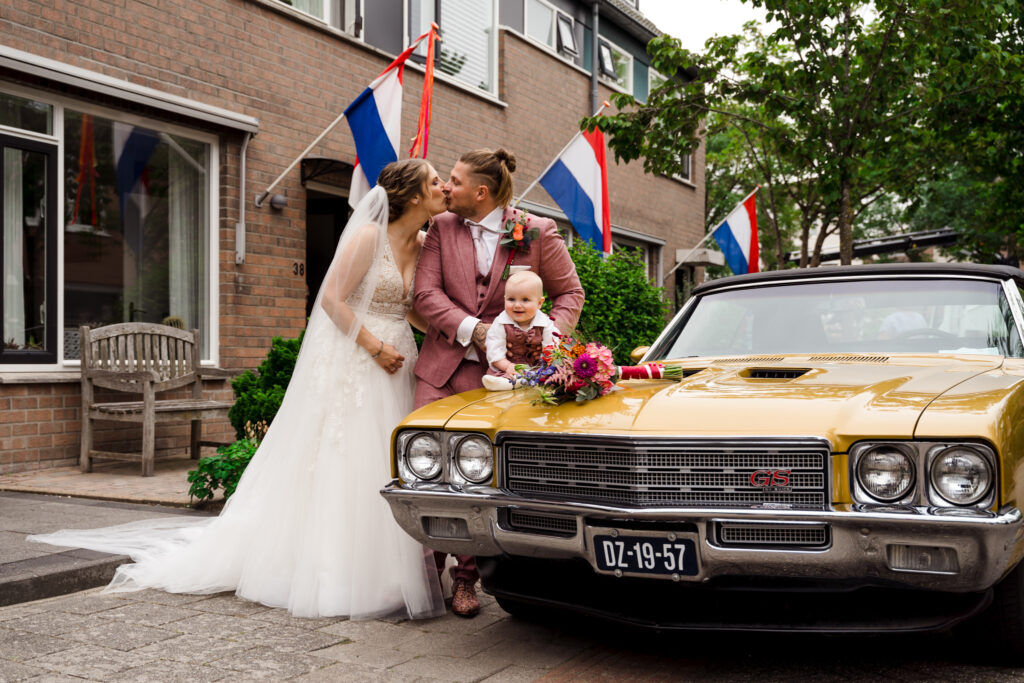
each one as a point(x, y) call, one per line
point(121, 376)
point(217, 373)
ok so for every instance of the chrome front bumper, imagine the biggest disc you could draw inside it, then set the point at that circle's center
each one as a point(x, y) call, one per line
point(858, 549)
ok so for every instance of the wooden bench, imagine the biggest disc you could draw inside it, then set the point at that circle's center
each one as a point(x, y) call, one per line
point(144, 358)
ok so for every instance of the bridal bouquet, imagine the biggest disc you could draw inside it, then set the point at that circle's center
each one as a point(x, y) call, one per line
point(571, 370)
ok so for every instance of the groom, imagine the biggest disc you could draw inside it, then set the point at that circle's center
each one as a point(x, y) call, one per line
point(460, 290)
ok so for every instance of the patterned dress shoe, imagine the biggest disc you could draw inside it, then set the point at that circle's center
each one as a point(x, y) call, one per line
point(464, 602)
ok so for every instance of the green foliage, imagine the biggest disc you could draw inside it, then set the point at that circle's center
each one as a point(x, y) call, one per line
point(623, 309)
point(221, 471)
point(258, 395)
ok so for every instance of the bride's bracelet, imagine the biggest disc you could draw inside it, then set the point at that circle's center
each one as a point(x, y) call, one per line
point(375, 356)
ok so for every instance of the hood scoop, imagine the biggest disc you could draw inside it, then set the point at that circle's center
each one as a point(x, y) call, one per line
point(773, 373)
point(852, 358)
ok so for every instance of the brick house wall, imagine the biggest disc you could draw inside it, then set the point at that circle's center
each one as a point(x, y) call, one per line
point(262, 59)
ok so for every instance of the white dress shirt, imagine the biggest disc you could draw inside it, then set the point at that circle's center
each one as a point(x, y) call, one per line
point(490, 237)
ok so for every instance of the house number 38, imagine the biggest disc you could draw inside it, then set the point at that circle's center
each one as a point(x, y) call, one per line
point(298, 268)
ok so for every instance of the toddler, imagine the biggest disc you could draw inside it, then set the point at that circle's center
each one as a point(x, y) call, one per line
point(520, 333)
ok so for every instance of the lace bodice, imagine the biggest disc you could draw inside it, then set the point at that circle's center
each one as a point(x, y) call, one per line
point(390, 298)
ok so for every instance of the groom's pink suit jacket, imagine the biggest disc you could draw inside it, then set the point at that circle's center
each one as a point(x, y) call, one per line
point(446, 287)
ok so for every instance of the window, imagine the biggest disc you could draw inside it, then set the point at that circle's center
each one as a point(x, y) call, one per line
point(648, 252)
point(28, 206)
point(136, 227)
point(655, 80)
point(550, 27)
point(468, 29)
point(20, 112)
point(615, 64)
point(341, 14)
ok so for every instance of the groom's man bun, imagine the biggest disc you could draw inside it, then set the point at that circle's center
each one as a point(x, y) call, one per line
point(493, 168)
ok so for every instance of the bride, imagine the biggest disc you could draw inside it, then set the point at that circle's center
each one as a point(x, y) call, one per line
point(307, 529)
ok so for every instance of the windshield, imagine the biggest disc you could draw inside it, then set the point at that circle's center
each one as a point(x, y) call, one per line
point(853, 316)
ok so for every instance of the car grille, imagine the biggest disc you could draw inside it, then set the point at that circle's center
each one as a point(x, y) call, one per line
point(744, 534)
point(659, 472)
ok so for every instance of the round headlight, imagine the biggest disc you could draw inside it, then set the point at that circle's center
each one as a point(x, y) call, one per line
point(961, 475)
point(886, 473)
point(475, 459)
point(423, 455)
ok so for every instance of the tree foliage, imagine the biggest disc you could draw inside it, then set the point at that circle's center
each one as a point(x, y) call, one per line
point(258, 395)
point(839, 103)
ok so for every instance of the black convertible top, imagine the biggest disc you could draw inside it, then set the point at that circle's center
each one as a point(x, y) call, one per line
point(887, 269)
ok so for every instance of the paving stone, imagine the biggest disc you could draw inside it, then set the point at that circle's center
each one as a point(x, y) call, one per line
point(357, 673)
point(375, 656)
point(230, 604)
point(89, 603)
point(19, 611)
point(194, 649)
point(14, 671)
point(162, 671)
point(449, 645)
point(283, 618)
point(516, 674)
point(120, 636)
point(21, 645)
point(539, 654)
point(288, 639)
point(148, 614)
point(173, 599)
point(53, 623)
point(220, 624)
point(378, 631)
point(459, 625)
point(267, 664)
point(450, 668)
point(90, 661)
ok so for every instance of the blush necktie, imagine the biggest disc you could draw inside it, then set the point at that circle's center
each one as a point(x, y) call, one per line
point(480, 248)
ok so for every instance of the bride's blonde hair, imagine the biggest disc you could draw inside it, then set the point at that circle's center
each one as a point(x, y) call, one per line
point(404, 181)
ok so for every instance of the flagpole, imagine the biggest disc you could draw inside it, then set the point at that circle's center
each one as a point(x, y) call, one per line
point(263, 195)
point(709, 234)
point(556, 158)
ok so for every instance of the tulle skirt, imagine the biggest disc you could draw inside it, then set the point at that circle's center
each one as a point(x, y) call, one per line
point(306, 529)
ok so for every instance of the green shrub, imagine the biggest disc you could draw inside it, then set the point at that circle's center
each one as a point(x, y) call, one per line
point(623, 308)
point(221, 471)
point(258, 395)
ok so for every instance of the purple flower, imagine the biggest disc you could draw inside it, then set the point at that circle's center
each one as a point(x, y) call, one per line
point(585, 366)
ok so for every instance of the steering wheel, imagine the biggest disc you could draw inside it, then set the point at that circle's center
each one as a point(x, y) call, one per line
point(925, 333)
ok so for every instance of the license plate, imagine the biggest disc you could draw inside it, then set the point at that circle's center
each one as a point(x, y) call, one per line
point(646, 555)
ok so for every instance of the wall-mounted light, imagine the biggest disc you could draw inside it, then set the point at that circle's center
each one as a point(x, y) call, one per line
point(278, 201)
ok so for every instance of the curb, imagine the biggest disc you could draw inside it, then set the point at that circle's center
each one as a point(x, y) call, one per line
point(57, 574)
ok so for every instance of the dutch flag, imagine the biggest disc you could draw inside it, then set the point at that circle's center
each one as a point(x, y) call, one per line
point(375, 118)
point(737, 237)
point(578, 182)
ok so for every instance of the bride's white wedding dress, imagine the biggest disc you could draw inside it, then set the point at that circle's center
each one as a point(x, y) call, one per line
point(306, 529)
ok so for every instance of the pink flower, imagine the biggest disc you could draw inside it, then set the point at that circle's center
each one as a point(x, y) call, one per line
point(585, 366)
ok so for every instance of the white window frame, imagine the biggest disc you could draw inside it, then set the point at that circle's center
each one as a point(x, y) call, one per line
point(60, 103)
point(492, 67)
point(603, 74)
point(653, 73)
point(557, 17)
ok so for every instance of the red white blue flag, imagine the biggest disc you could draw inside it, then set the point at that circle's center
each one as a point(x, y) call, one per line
point(375, 118)
point(578, 182)
point(737, 237)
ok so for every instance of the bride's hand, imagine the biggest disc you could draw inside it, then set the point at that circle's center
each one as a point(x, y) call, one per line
point(390, 359)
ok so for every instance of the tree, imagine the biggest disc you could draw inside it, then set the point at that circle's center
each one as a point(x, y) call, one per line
point(838, 105)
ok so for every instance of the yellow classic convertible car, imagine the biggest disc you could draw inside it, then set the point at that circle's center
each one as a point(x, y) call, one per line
point(845, 452)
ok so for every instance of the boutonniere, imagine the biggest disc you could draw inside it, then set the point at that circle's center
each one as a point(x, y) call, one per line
point(517, 237)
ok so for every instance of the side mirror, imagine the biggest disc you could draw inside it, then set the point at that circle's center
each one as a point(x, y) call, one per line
point(639, 352)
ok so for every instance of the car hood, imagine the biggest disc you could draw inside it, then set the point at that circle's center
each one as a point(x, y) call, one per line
point(842, 399)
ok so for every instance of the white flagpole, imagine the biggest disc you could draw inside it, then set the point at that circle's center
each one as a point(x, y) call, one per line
point(263, 195)
point(556, 157)
point(709, 234)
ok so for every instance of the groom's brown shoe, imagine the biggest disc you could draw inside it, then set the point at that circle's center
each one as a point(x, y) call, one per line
point(464, 602)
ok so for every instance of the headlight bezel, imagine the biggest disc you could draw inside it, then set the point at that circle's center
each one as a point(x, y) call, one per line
point(984, 499)
point(448, 442)
point(459, 470)
point(923, 493)
point(865, 494)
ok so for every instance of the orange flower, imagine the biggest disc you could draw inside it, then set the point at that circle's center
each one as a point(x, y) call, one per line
point(517, 232)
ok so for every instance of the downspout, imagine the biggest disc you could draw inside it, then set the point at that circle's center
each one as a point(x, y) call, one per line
point(594, 58)
point(240, 225)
